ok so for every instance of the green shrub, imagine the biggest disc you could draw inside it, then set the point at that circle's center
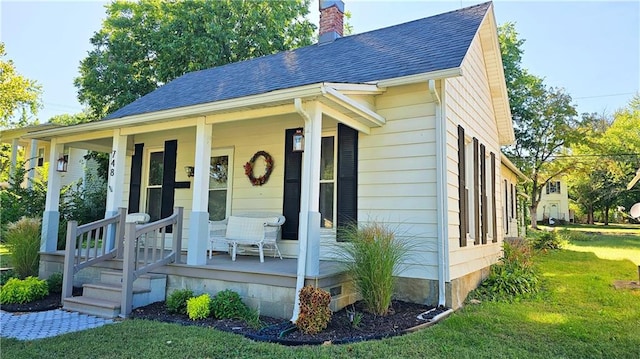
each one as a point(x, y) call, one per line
point(228, 304)
point(566, 235)
point(17, 201)
point(23, 240)
point(513, 278)
point(199, 307)
point(372, 257)
point(23, 291)
point(314, 310)
point(54, 283)
point(546, 240)
point(177, 301)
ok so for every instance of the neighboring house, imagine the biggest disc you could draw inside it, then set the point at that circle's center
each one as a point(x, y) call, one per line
point(401, 125)
point(554, 202)
point(36, 155)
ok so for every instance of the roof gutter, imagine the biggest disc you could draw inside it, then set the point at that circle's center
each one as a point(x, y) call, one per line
point(424, 77)
point(441, 194)
point(188, 111)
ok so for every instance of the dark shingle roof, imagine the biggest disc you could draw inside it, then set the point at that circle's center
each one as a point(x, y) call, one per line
point(430, 44)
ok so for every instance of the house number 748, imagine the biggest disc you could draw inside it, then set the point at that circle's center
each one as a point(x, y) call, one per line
point(112, 164)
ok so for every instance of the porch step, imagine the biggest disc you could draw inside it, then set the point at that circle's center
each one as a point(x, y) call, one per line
point(103, 298)
point(93, 306)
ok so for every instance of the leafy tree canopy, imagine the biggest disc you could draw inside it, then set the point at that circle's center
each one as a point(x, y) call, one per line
point(147, 43)
point(545, 120)
point(17, 94)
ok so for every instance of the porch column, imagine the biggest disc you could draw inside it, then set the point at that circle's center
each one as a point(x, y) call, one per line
point(199, 219)
point(115, 180)
point(51, 215)
point(310, 189)
point(14, 158)
point(33, 161)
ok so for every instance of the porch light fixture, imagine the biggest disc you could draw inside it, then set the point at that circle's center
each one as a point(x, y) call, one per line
point(298, 141)
point(189, 170)
point(62, 164)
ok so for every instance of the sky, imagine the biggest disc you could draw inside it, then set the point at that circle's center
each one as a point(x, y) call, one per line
point(589, 48)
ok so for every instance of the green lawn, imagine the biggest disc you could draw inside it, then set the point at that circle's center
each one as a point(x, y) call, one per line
point(579, 315)
point(4, 256)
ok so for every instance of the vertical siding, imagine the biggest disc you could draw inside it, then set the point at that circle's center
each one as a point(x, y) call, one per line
point(467, 102)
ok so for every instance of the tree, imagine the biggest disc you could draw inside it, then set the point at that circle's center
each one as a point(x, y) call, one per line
point(17, 94)
point(545, 122)
point(609, 156)
point(145, 44)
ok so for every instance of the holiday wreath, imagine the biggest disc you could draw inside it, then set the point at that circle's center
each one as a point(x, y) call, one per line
point(248, 168)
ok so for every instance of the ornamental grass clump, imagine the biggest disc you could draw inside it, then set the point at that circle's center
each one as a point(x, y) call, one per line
point(314, 310)
point(23, 239)
point(373, 255)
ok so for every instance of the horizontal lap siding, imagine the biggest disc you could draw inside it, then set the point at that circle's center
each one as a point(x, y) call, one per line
point(468, 103)
point(397, 173)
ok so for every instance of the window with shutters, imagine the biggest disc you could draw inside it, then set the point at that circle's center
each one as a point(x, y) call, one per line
point(155, 169)
point(553, 187)
point(471, 180)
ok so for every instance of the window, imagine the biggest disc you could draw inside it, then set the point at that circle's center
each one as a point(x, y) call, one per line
point(40, 156)
point(154, 185)
point(553, 187)
point(327, 181)
point(219, 185)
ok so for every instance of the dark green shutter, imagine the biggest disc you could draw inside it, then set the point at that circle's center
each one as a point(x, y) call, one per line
point(136, 179)
point(347, 180)
point(462, 192)
point(169, 179)
point(292, 186)
point(483, 194)
point(476, 194)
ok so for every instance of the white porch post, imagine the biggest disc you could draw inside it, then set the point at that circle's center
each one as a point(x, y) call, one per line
point(51, 215)
point(199, 220)
point(33, 161)
point(310, 190)
point(115, 181)
point(14, 158)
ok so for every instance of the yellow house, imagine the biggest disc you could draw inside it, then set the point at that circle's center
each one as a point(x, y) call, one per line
point(401, 125)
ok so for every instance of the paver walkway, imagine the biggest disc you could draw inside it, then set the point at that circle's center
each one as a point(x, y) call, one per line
point(37, 325)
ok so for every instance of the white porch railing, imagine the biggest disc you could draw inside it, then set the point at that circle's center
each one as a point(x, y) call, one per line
point(147, 252)
point(87, 245)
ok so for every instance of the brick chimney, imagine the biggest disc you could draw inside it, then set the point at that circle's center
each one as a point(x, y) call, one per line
point(331, 20)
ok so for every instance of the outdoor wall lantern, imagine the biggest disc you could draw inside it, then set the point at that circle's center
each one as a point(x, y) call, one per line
point(298, 141)
point(189, 170)
point(62, 164)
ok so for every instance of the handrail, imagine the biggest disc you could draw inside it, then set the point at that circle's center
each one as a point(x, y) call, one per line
point(144, 251)
point(95, 237)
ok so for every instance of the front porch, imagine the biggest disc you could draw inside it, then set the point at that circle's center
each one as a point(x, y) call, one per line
point(269, 287)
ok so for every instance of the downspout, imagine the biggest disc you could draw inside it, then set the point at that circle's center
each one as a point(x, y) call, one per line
point(304, 222)
point(441, 194)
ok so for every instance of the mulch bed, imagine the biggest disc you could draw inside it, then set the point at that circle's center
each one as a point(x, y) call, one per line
point(401, 319)
point(51, 301)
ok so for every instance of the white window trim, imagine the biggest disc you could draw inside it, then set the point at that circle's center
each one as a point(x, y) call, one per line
point(334, 134)
point(225, 151)
point(145, 176)
point(469, 181)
